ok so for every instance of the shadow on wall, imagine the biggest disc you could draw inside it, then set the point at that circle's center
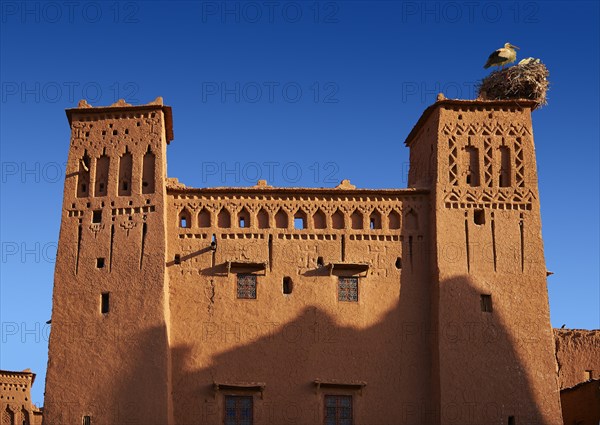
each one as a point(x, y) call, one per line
point(484, 379)
point(142, 398)
point(581, 403)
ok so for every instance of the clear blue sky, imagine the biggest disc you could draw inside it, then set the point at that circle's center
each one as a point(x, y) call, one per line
point(300, 93)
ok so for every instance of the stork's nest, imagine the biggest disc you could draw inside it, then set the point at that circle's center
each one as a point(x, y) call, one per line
point(527, 81)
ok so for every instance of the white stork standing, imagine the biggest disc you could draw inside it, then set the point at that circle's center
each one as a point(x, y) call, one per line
point(502, 56)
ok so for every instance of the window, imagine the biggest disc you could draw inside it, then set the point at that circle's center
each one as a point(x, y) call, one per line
point(588, 374)
point(246, 286)
point(511, 420)
point(243, 218)
point(348, 289)
point(99, 263)
point(97, 216)
point(300, 219)
point(185, 219)
point(486, 303)
point(288, 285)
point(238, 410)
point(87, 420)
point(504, 177)
point(338, 410)
point(479, 217)
point(472, 166)
point(375, 220)
point(105, 305)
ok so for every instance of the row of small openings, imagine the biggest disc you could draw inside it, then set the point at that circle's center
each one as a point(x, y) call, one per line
point(300, 219)
point(115, 116)
point(113, 132)
point(473, 178)
point(481, 109)
point(125, 174)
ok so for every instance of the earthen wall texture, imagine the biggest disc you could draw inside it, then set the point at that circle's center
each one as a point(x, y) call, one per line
point(581, 403)
point(425, 305)
point(578, 358)
point(494, 340)
point(578, 355)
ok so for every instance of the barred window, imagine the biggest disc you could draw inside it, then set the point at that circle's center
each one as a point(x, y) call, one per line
point(348, 289)
point(238, 410)
point(338, 410)
point(246, 286)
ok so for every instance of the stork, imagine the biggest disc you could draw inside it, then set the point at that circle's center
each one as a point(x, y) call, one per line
point(502, 56)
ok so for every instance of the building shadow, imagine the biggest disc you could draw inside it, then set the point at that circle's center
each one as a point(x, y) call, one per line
point(471, 370)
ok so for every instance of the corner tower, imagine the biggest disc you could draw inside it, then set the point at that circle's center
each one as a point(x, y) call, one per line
point(109, 352)
point(492, 345)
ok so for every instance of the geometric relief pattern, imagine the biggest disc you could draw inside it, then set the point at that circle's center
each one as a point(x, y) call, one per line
point(504, 199)
point(452, 162)
point(387, 208)
point(510, 131)
point(487, 163)
point(8, 417)
point(520, 173)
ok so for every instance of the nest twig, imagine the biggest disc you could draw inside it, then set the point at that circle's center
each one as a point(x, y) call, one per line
point(527, 81)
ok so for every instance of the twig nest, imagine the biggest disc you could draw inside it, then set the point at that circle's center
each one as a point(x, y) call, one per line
point(527, 80)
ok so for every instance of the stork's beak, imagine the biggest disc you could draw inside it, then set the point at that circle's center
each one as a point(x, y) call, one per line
point(514, 47)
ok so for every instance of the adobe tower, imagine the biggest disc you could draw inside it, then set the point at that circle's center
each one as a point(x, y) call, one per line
point(494, 347)
point(264, 305)
point(111, 257)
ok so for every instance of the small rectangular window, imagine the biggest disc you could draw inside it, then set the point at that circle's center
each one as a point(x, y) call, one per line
point(588, 374)
point(287, 285)
point(177, 259)
point(239, 410)
point(97, 216)
point(486, 303)
point(87, 420)
point(479, 217)
point(338, 410)
point(511, 420)
point(246, 286)
point(348, 289)
point(105, 303)
point(100, 263)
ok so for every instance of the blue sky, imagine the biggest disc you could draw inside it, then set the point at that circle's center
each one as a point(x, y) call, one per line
point(300, 93)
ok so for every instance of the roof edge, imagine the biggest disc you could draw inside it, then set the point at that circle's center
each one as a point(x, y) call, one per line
point(520, 103)
point(295, 190)
point(121, 106)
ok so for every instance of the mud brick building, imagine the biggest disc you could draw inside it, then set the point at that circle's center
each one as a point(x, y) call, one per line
point(15, 399)
point(270, 305)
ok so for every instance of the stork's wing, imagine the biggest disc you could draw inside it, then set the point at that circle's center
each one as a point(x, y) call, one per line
point(498, 57)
